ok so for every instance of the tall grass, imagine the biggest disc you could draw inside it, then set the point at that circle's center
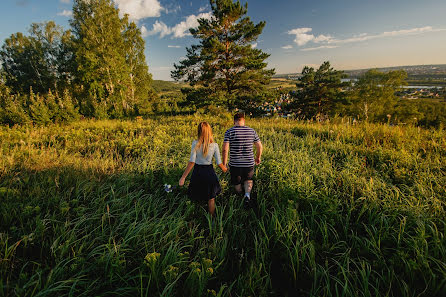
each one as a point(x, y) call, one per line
point(342, 211)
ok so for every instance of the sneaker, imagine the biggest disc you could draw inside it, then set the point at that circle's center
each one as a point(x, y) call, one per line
point(247, 202)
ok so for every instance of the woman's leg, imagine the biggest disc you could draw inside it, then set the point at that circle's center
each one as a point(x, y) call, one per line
point(211, 205)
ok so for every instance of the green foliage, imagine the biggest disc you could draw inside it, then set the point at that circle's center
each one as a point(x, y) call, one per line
point(12, 108)
point(111, 66)
point(35, 61)
point(102, 63)
point(320, 92)
point(100, 56)
point(140, 93)
point(39, 109)
point(167, 87)
point(374, 94)
point(224, 62)
point(342, 211)
point(433, 113)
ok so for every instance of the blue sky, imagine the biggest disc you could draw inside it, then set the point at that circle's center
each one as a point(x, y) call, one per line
point(350, 34)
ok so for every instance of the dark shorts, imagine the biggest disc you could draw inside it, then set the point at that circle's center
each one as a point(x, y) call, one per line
point(241, 174)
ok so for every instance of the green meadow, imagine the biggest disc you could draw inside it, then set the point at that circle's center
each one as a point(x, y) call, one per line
point(343, 210)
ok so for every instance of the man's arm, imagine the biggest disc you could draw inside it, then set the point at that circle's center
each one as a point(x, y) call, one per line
point(224, 152)
point(259, 150)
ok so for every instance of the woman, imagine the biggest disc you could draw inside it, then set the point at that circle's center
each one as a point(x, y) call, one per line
point(204, 184)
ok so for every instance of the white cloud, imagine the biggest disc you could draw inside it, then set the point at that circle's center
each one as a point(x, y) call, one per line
point(405, 32)
point(174, 46)
point(303, 37)
point(318, 48)
point(160, 28)
point(65, 1)
point(65, 13)
point(179, 30)
point(182, 29)
point(140, 9)
point(144, 32)
point(254, 45)
point(323, 38)
point(287, 47)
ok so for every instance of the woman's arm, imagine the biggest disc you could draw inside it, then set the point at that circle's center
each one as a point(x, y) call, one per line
point(189, 167)
point(222, 167)
point(218, 159)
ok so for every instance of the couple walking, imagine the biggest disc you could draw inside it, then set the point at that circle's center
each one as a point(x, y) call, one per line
point(239, 141)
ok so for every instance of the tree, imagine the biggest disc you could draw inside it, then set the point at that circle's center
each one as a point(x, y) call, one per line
point(33, 61)
point(109, 55)
point(374, 94)
point(100, 56)
point(320, 91)
point(139, 91)
point(225, 64)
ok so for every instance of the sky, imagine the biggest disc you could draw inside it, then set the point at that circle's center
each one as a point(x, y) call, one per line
point(351, 34)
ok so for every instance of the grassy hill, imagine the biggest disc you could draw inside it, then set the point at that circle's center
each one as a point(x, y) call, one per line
point(343, 210)
point(163, 87)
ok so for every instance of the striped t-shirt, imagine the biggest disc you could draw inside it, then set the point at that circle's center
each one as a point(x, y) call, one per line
point(241, 139)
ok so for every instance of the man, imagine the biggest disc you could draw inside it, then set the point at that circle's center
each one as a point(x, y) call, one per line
point(239, 141)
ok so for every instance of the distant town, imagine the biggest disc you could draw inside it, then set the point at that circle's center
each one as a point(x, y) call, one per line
point(430, 74)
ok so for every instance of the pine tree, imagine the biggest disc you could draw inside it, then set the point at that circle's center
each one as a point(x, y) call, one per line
point(225, 64)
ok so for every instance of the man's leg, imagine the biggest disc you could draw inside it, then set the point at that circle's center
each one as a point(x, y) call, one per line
point(248, 188)
point(236, 179)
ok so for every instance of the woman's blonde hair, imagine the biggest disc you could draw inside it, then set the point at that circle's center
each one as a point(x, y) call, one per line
point(204, 137)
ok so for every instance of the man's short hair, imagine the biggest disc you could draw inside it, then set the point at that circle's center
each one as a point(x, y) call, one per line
point(238, 116)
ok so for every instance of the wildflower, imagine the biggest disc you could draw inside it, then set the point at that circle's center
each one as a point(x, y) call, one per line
point(151, 258)
point(207, 262)
point(168, 188)
point(171, 273)
point(194, 265)
point(212, 292)
point(209, 271)
point(197, 270)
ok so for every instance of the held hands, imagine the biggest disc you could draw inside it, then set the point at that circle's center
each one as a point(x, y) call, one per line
point(181, 182)
point(223, 167)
